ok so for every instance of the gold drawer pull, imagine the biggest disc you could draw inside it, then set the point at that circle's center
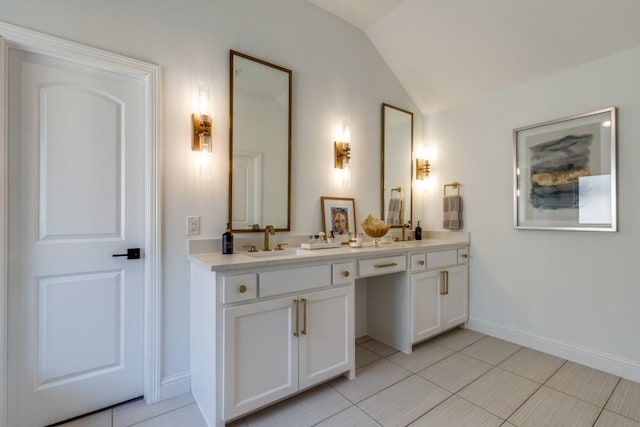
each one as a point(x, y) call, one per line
point(242, 289)
point(421, 262)
point(345, 273)
point(304, 317)
point(389, 264)
point(446, 282)
point(297, 330)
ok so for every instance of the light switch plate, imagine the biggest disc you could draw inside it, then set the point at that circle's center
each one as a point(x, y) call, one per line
point(193, 225)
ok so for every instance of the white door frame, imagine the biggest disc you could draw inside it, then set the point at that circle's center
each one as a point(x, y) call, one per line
point(12, 36)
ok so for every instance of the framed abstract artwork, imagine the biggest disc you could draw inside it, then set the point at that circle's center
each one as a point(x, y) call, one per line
point(565, 173)
point(338, 216)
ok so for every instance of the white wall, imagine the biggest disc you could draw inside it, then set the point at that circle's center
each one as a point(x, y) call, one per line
point(337, 75)
point(572, 293)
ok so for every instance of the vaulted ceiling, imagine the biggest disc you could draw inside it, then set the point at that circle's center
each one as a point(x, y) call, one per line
point(449, 52)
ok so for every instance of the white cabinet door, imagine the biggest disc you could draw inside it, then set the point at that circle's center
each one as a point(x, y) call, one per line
point(454, 310)
point(326, 345)
point(426, 305)
point(260, 357)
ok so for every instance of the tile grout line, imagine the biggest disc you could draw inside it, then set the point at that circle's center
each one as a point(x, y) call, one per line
point(576, 397)
point(462, 348)
point(444, 400)
point(451, 394)
point(146, 418)
point(352, 406)
point(607, 401)
point(498, 367)
point(537, 390)
point(454, 351)
point(419, 376)
point(478, 406)
point(163, 414)
point(369, 363)
point(489, 363)
point(412, 374)
point(428, 366)
point(381, 390)
point(527, 399)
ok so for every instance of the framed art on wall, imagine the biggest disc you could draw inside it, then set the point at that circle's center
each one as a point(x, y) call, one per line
point(339, 216)
point(565, 173)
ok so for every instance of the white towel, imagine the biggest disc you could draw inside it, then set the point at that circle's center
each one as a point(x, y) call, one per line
point(452, 212)
point(395, 207)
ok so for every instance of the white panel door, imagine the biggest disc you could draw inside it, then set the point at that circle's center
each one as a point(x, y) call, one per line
point(327, 339)
point(260, 360)
point(247, 189)
point(455, 308)
point(425, 305)
point(76, 197)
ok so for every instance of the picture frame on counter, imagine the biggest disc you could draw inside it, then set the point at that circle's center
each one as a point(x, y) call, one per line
point(565, 173)
point(339, 216)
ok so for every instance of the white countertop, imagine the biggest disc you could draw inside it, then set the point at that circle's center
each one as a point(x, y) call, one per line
point(244, 259)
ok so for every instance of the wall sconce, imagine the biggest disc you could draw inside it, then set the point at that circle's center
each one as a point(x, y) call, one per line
point(423, 169)
point(201, 141)
point(342, 154)
point(343, 148)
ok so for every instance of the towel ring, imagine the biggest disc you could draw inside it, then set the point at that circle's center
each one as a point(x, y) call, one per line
point(455, 185)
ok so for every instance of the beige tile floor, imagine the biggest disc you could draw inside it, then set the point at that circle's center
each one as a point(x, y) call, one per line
point(461, 378)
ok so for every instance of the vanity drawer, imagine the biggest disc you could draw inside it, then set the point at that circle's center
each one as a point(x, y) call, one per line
point(294, 280)
point(238, 288)
point(418, 262)
point(442, 258)
point(343, 273)
point(463, 256)
point(376, 266)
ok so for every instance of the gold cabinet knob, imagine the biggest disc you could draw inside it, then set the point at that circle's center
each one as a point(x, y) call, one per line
point(242, 289)
point(345, 273)
point(421, 262)
point(465, 255)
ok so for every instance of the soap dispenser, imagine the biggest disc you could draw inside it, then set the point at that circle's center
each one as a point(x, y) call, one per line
point(418, 232)
point(227, 241)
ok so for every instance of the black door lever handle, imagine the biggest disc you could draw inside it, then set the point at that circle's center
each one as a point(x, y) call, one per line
point(133, 253)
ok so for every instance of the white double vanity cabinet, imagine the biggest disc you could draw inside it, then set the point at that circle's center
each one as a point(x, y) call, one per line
point(267, 325)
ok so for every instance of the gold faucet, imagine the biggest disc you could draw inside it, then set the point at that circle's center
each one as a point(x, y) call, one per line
point(268, 230)
point(404, 227)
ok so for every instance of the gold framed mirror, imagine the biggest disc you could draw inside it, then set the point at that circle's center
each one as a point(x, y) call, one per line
point(259, 144)
point(397, 166)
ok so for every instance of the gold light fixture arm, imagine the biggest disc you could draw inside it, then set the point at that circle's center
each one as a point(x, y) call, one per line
point(201, 127)
point(342, 154)
point(423, 169)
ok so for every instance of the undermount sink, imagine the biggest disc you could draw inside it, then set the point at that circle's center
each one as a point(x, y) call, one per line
point(272, 253)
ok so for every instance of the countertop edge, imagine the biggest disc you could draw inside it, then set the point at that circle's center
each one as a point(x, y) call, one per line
point(244, 260)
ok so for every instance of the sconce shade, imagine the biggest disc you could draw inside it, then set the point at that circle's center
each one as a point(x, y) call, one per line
point(204, 95)
point(423, 169)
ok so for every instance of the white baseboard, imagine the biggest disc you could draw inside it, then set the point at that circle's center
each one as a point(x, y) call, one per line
point(175, 385)
point(626, 368)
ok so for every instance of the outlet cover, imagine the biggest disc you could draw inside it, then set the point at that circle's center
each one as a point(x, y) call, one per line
point(193, 225)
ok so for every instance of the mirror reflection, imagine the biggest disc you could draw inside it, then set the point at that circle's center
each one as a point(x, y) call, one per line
point(397, 166)
point(260, 144)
